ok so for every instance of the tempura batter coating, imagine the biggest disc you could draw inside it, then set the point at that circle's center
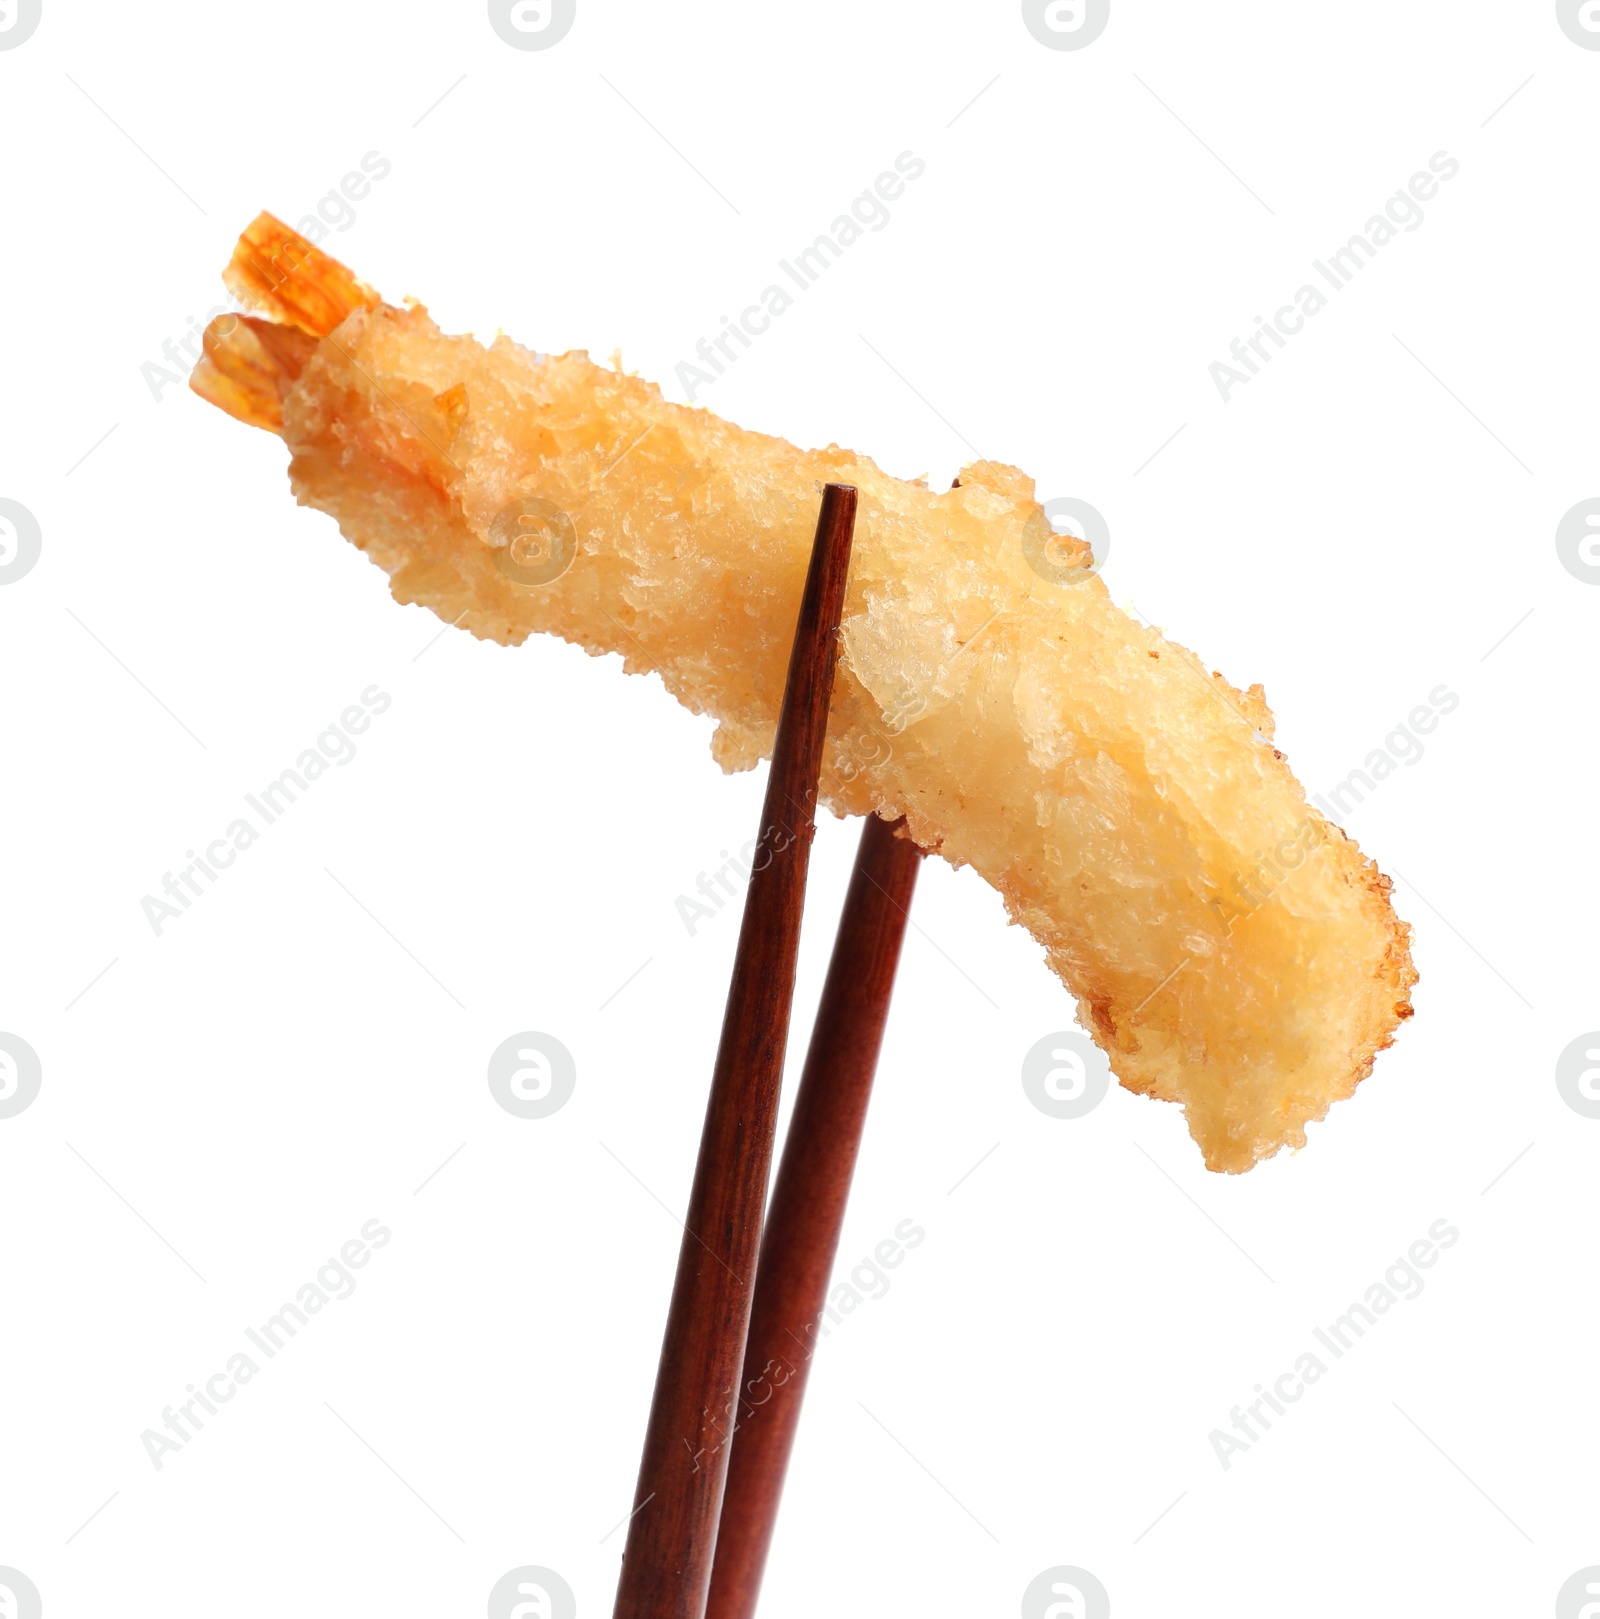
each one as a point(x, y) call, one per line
point(1229, 948)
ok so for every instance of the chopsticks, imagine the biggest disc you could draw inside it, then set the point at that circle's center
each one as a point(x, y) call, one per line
point(667, 1562)
point(806, 1213)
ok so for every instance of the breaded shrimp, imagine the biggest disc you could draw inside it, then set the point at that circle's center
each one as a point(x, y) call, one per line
point(1229, 948)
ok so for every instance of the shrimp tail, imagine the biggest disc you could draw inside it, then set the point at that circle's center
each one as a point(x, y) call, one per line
point(300, 296)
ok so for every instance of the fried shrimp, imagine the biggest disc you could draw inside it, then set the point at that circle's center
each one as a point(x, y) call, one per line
point(1229, 948)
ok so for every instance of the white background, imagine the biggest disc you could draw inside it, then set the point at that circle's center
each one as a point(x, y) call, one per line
point(1371, 517)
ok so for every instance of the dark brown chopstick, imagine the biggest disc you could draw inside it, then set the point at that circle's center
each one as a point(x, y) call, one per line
point(808, 1203)
point(666, 1565)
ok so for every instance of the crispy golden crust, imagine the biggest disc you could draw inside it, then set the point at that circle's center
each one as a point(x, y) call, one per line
point(1229, 948)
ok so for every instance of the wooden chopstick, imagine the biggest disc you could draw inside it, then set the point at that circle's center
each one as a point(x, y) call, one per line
point(666, 1564)
point(807, 1208)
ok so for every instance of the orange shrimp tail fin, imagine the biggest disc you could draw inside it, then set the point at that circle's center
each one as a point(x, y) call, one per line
point(279, 274)
point(248, 365)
